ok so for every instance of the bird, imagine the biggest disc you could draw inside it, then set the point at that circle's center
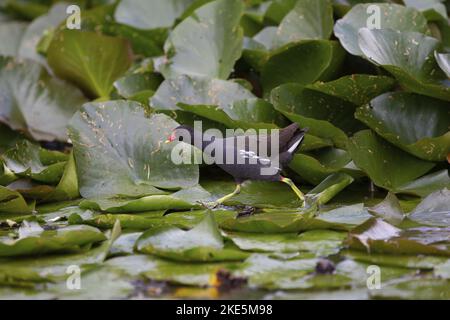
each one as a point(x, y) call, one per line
point(250, 155)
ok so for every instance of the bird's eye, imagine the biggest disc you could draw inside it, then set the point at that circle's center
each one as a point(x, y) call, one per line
point(181, 138)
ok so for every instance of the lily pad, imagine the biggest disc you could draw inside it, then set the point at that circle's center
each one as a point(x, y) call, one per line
point(404, 261)
point(153, 14)
point(312, 109)
point(127, 221)
point(207, 43)
point(84, 58)
point(314, 167)
point(320, 242)
point(432, 9)
point(344, 218)
point(39, 28)
point(202, 243)
point(389, 210)
point(392, 16)
point(434, 210)
point(415, 289)
point(386, 165)
point(398, 117)
point(12, 202)
point(329, 188)
point(264, 271)
point(181, 200)
point(358, 89)
point(254, 193)
point(177, 272)
point(121, 151)
point(34, 102)
point(425, 185)
point(27, 159)
point(34, 240)
point(378, 236)
point(444, 62)
point(244, 114)
point(52, 268)
point(416, 69)
point(193, 90)
point(309, 19)
point(304, 62)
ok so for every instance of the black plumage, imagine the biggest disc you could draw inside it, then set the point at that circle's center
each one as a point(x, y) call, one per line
point(249, 157)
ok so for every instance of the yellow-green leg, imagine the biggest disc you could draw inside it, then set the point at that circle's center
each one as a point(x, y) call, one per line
point(295, 189)
point(229, 196)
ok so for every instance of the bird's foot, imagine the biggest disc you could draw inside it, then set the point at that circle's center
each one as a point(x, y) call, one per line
point(246, 211)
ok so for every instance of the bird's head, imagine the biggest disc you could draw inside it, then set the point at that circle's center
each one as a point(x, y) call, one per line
point(181, 133)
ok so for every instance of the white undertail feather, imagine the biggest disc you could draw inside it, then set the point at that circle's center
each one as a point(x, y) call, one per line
point(295, 145)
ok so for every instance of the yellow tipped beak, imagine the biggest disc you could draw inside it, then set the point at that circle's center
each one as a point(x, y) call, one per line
point(167, 141)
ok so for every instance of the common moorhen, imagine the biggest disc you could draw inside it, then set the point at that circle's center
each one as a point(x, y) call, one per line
point(251, 155)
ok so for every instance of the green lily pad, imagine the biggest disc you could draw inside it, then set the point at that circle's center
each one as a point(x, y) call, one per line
point(245, 114)
point(67, 187)
point(387, 166)
point(99, 283)
point(181, 200)
point(344, 218)
point(403, 261)
point(304, 62)
point(39, 28)
point(324, 115)
point(432, 9)
point(33, 240)
point(36, 103)
point(177, 272)
point(129, 150)
point(398, 117)
point(132, 85)
point(392, 16)
point(434, 210)
point(8, 138)
point(202, 243)
point(314, 167)
point(84, 58)
point(416, 69)
point(153, 14)
point(425, 185)
point(415, 289)
point(358, 89)
point(380, 237)
point(329, 188)
point(27, 159)
point(280, 221)
point(277, 10)
point(389, 210)
point(207, 43)
point(124, 245)
point(52, 268)
point(320, 242)
point(192, 90)
point(195, 90)
point(12, 202)
point(310, 19)
point(266, 272)
point(443, 60)
point(127, 221)
point(254, 193)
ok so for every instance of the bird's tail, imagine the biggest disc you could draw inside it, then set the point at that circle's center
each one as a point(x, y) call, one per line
point(296, 141)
